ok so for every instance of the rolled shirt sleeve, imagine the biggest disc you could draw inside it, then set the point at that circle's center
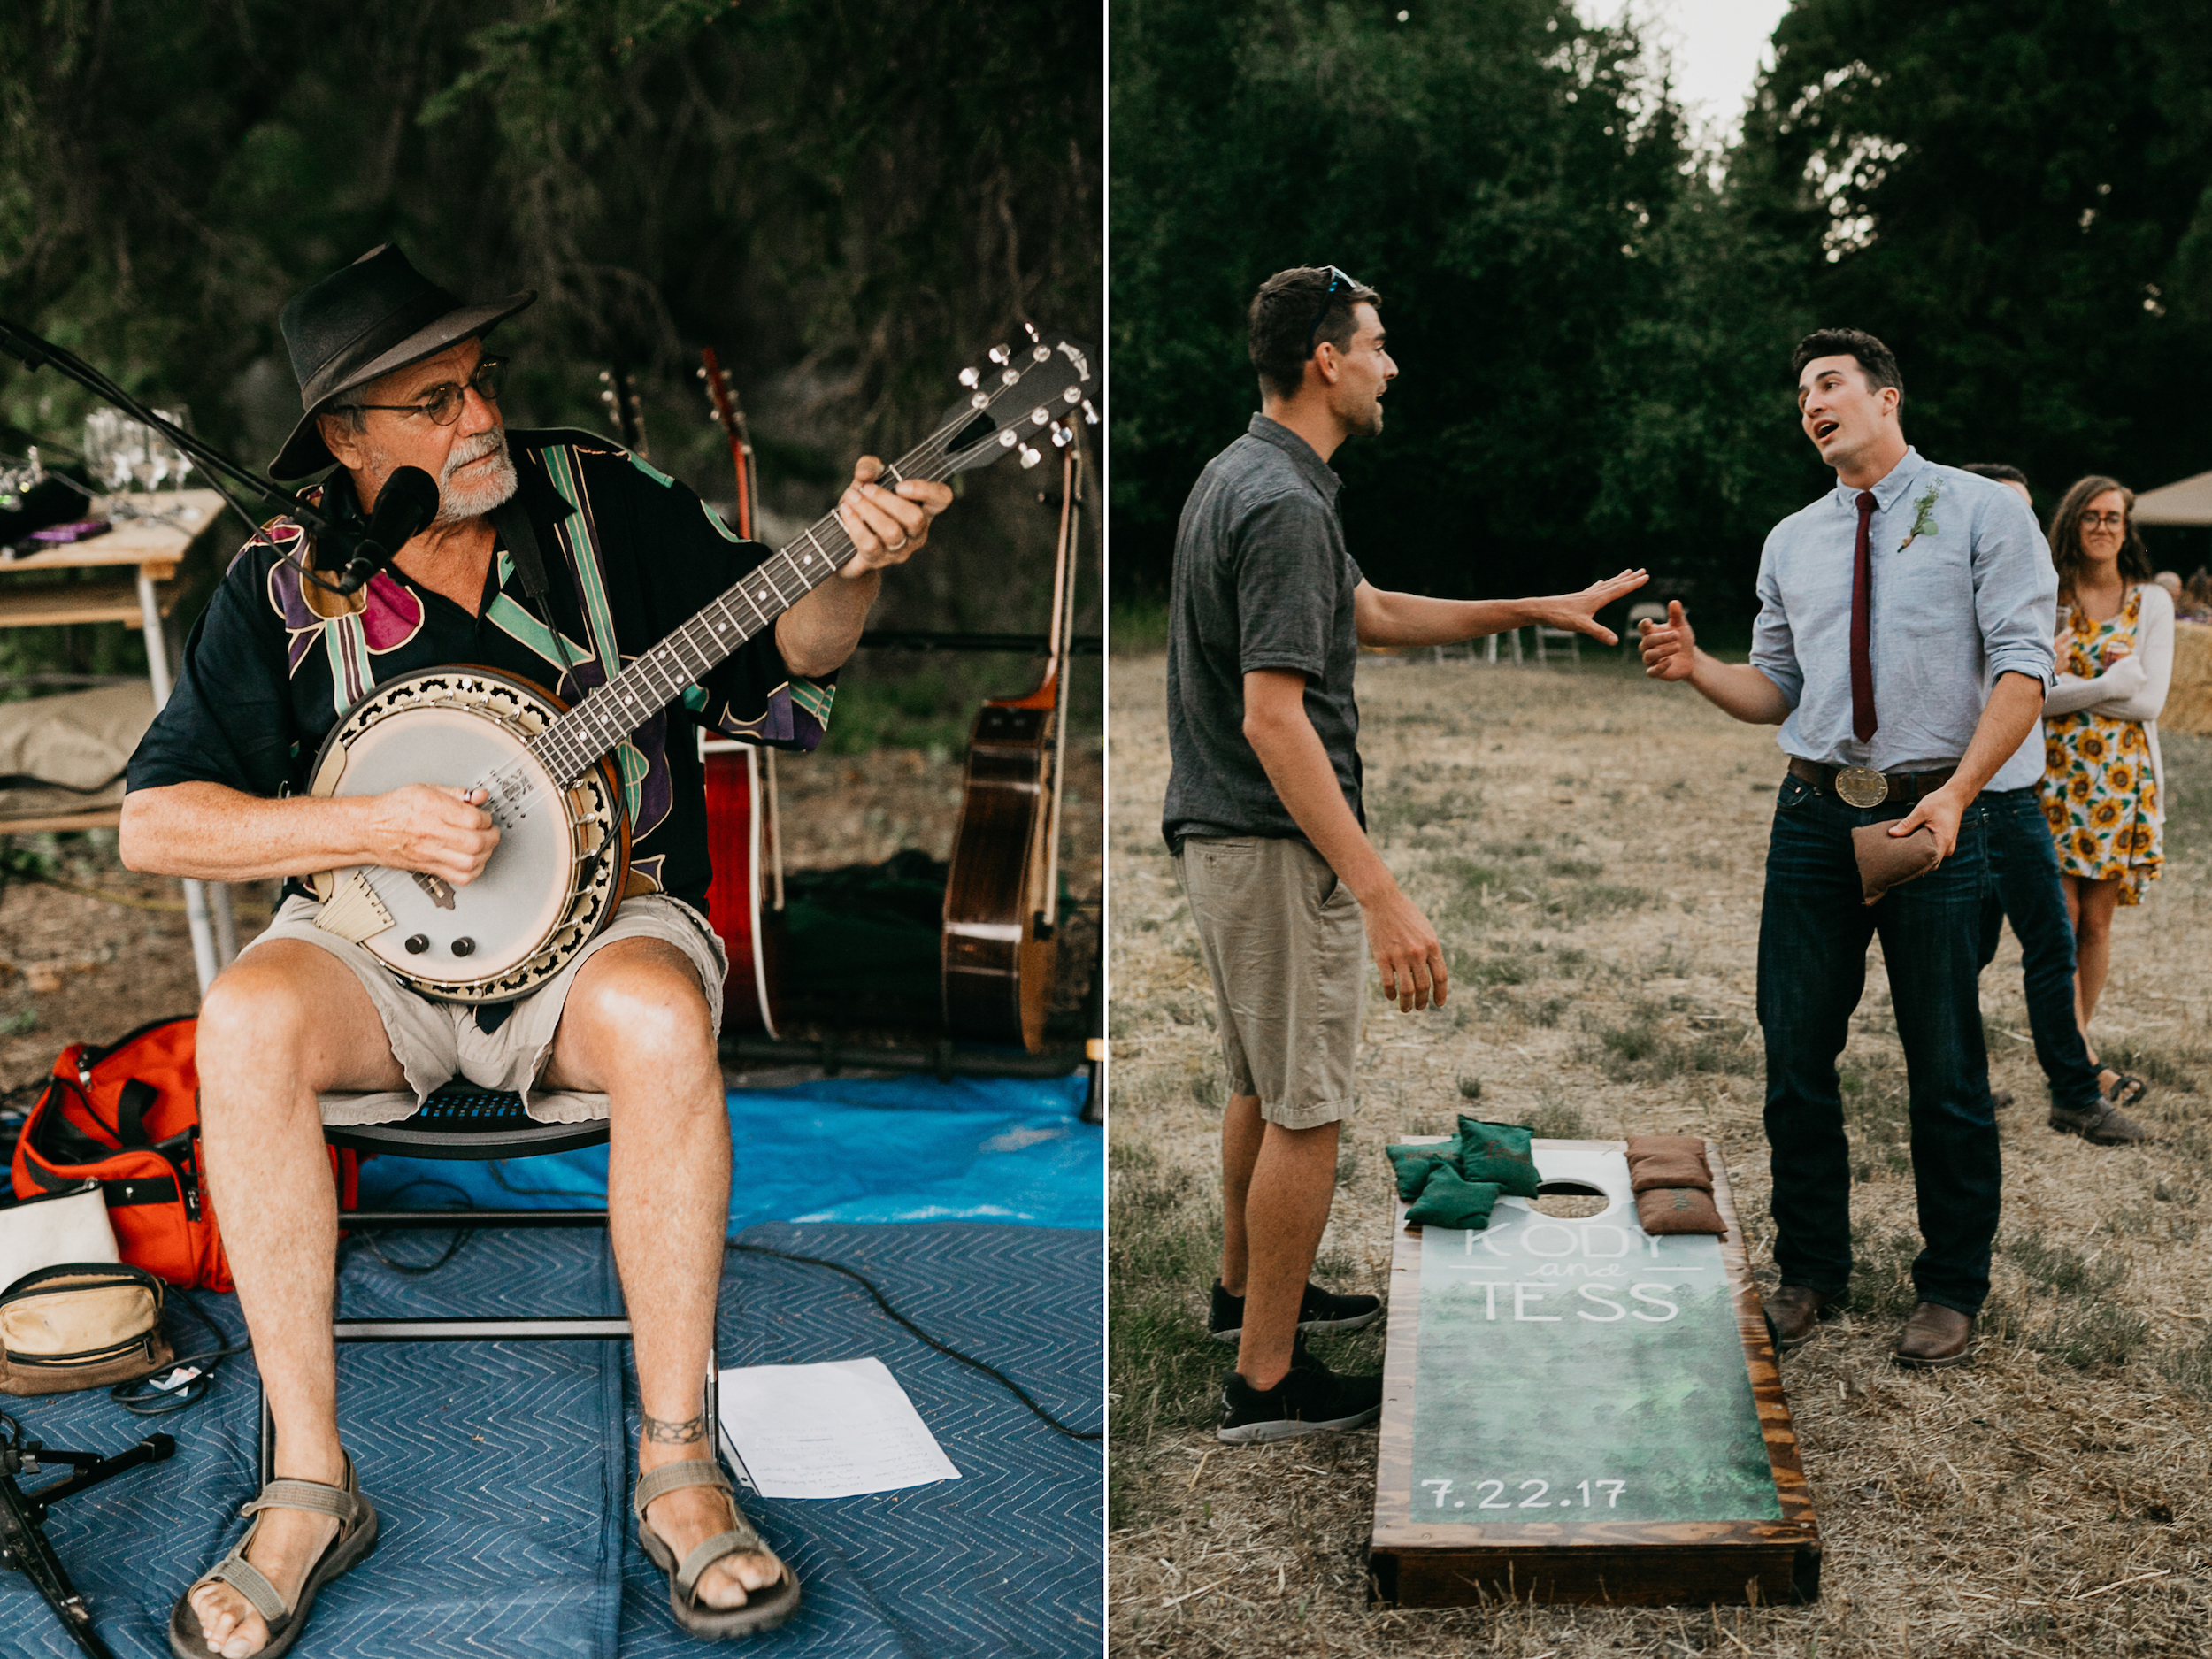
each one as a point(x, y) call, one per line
point(1773, 646)
point(2016, 589)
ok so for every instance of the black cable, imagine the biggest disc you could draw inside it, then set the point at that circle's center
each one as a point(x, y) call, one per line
point(142, 1398)
point(1013, 1388)
point(461, 1235)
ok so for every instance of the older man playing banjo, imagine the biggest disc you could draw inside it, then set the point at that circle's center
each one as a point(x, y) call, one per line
point(394, 374)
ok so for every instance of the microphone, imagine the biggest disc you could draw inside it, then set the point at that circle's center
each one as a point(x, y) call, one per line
point(404, 507)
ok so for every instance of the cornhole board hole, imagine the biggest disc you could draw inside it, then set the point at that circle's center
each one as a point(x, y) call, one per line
point(1575, 1410)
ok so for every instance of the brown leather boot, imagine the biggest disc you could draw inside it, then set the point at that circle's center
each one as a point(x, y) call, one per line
point(1793, 1315)
point(1935, 1336)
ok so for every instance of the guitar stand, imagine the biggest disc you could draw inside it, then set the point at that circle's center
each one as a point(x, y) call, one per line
point(23, 1546)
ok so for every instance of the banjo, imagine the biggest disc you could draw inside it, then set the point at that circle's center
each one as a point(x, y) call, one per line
point(558, 872)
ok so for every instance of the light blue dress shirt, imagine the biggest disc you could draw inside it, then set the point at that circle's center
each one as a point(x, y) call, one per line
point(1964, 591)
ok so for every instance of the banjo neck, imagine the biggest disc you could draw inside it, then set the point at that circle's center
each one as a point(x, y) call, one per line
point(747, 607)
point(650, 683)
point(1004, 409)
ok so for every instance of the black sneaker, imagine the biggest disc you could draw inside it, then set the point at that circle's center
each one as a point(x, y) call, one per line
point(1317, 1310)
point(1311, 1399)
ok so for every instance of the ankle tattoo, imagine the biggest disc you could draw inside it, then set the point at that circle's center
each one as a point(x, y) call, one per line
point(660, 1431)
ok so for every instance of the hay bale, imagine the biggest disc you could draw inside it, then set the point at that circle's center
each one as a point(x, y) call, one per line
point(2189, 703)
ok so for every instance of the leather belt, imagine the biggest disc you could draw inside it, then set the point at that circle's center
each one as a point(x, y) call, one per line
point(1898, 788)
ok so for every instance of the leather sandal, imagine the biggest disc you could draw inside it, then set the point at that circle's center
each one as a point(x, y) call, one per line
point(765, 1608)
point(356, 1538)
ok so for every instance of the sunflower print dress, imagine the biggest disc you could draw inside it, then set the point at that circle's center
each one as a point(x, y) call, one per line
point(2100, 793)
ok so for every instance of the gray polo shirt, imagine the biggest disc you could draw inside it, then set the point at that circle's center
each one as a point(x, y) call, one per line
point(1964, 591)
point(1262, 580)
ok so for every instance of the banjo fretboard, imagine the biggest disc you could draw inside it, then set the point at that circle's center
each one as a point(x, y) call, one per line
point(969, 435)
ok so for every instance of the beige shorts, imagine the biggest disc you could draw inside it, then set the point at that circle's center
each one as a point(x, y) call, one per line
point(436, 1042)
point(1285, 946)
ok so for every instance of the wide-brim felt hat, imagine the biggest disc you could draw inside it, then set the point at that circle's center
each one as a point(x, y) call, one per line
point(378, 314)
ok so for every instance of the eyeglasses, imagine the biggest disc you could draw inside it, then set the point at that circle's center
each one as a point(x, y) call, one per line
point(444, 403)
point(1339, 281)
point(2104, 521)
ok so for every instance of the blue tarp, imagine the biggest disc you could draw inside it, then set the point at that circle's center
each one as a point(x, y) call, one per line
point(1003, 1150)
point(501, 1472)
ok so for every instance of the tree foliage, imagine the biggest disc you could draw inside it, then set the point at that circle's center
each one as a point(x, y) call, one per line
point(2015, 198)
point(848, 201)
point(1494, 167)
point(1593, 322)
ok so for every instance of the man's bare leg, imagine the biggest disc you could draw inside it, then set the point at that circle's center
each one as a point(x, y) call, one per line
point(1286, 1208)
point(284, 1023)
point(1242, 1129)
point(636, 1028)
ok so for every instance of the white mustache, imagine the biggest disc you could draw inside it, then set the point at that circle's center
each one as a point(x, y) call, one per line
point(471, 449)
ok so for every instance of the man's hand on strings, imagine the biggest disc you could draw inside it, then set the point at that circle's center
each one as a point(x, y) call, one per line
point(440, 831)
point(888, 527)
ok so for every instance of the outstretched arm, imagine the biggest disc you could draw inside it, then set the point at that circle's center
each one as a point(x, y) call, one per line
point(1386, 618)
point(1670, 650)
point(1405, 946)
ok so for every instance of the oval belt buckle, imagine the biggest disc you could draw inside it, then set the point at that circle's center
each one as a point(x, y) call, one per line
point(1862, 785)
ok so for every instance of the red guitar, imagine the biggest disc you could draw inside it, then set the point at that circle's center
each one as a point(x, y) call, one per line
point(745, 898)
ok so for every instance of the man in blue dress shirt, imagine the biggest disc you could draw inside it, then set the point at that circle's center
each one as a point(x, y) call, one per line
point(1885, 609)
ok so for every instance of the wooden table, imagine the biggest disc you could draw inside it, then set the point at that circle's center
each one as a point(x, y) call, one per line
point(1576, 1411)
point(142, 554)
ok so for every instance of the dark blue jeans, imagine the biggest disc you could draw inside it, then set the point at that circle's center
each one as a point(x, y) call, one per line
point(2024, 886)
point(1814, 930)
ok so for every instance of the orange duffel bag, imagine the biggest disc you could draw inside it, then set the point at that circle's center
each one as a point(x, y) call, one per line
point(127, 1116)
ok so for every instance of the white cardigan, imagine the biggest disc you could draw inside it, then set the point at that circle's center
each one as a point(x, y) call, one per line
point(2134, 688)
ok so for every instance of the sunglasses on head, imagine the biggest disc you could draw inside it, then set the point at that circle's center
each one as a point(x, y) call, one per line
point(1339, 282)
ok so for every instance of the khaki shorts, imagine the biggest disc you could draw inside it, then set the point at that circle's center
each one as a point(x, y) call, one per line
point(1285, 946)
point(436, 1042)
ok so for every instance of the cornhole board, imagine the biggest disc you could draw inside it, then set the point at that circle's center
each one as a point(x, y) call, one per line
point(1575, 1410)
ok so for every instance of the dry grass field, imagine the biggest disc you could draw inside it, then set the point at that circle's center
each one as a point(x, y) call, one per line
point(1590, 847)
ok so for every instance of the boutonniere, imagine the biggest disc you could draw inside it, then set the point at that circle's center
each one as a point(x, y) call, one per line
point(1923, 517)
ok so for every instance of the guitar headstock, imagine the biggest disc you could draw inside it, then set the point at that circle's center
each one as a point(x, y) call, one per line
point(1020, 398)
point(720, 397)
point(626, 410)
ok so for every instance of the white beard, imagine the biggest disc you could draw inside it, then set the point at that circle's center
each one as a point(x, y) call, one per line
point(471, 497)
point(485, 489)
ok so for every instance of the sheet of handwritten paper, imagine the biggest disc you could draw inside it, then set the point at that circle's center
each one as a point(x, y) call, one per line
point(829, 1431)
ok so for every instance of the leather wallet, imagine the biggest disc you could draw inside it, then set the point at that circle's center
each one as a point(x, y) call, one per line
point(1888, 861)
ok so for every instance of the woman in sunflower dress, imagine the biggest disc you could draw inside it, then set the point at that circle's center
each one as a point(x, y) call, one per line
point(2103, 788)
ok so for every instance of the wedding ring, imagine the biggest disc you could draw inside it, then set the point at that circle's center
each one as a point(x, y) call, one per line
point(893, 547)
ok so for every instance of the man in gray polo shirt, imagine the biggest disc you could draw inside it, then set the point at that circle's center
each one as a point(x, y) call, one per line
point(1885, 609)
point(1263, 815)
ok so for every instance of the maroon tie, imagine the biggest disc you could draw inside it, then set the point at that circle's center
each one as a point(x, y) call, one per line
point(1861, 626)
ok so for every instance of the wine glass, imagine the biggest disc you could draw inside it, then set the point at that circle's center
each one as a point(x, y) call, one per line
point(179, 462)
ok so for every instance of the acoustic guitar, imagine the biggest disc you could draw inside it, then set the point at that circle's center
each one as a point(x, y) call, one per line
point(557, 875)
point(744, 831)
point(1003, 894)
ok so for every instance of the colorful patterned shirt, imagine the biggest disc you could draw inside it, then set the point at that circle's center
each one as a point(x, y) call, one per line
point(630, 556)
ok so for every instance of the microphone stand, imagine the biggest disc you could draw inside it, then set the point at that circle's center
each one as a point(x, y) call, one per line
point(343, 538)
point(23, 1546)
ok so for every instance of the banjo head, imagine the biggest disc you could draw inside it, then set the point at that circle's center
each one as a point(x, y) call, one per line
point(550, 884)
